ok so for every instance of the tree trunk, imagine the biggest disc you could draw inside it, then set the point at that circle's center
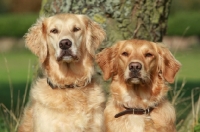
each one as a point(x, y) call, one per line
point(122, 19)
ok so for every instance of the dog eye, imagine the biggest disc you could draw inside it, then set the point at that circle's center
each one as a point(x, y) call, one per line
point(75, 29)
point(125, 53)
point(148, 55)
point(55, 31)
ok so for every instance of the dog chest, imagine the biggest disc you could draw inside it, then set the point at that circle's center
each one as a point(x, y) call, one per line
point(134, 123)
point(47, 120)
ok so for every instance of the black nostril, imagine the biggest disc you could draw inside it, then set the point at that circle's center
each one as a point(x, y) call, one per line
point(135, 66)
point(65, 44)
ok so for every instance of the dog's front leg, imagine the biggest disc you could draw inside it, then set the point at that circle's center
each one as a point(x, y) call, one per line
point(96, 124)
point(26, 124)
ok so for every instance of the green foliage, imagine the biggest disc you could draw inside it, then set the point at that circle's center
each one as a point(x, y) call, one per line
point(184, 23)
point(2, 125)
point(190, 63)
point(197, 127)
point(17, 68)
point(16, 24)
point(183, 5)
point(15, 73)
point(15, 64)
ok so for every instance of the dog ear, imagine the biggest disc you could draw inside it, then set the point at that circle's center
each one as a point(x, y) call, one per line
point(106, 61)
point(35, 40)
point(169, 66)
point(94, 36)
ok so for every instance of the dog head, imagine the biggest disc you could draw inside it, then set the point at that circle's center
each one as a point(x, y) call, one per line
point(138, 62)
point(66, 36)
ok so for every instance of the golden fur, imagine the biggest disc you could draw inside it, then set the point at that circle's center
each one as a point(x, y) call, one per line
point(143, 89)
point(61, 109)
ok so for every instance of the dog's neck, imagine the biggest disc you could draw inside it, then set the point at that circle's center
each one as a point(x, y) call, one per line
point(137, 96)
point(67, 74)
point(73, 85)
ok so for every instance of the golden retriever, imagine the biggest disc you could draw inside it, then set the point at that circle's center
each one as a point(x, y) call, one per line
point(139, 70)
point(67, 98)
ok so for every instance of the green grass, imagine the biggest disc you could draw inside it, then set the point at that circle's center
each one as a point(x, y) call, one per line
point(17, 62)
point(16, 67)
point(190, 75)
point(190, 60)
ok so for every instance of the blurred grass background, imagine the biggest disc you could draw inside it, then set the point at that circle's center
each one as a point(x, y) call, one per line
point(16, 25)
point(18, 64)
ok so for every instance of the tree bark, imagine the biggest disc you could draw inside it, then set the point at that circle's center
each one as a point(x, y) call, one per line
point(122, 19)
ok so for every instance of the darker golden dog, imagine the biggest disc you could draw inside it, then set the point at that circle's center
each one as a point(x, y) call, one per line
point(139, 70)
point(67, 99)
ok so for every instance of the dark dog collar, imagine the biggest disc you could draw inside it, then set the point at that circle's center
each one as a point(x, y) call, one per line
point(135, 111)
point(53, 86)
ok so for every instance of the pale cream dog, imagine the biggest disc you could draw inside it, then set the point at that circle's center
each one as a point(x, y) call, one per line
point(67, 98)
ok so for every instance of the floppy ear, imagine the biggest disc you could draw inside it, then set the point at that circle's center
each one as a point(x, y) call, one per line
point(168, 65)
point(35, 40)
point(94, 36)
point(106, 60)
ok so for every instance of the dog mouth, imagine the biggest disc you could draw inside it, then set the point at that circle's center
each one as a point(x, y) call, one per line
point(135, 81)
point(135, 78)
point(67, 55)
point(134, 74)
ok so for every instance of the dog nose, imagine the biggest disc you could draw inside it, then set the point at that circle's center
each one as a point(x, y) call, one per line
point(135, 66)
point(65, 44)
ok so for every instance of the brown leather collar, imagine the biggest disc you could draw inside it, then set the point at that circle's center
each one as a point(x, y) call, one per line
point(53, 86)
point(134, 111)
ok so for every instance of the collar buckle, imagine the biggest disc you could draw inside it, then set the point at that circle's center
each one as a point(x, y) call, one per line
point(147, 111)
